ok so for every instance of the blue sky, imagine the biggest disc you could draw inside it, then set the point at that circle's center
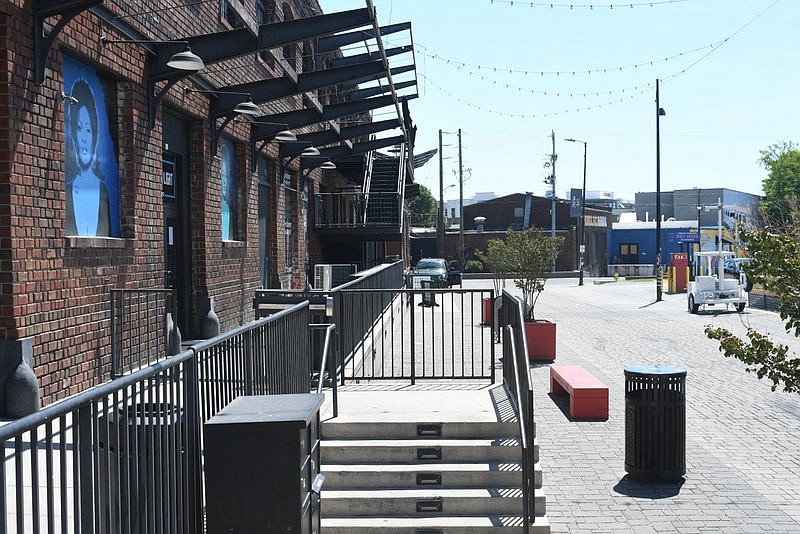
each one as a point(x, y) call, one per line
point(721, 109)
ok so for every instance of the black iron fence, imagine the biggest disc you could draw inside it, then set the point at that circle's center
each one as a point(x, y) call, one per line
point(125, 457)
point(141, 325)
point(411, 334)
point(349, 209)
point(516, 375)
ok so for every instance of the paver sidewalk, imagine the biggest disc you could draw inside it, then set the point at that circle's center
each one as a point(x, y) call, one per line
point(743, 440)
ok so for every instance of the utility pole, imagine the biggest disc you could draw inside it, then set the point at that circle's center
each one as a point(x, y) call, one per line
point(659, 113)
point(440, 217)
point(460, 202)
point(553, 157)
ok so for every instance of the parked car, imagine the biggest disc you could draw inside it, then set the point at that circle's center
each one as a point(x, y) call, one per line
point(453, 273)
point(432, 269)
point(734, 265)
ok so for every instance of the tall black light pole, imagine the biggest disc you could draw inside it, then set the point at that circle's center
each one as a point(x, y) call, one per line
point(659, 113)
point(583, 211)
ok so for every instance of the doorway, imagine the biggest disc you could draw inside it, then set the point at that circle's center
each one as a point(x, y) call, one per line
point(177, 238)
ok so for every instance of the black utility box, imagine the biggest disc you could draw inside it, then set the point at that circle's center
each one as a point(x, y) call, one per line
point(261, 458)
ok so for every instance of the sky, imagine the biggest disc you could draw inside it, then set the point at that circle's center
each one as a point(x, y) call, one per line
point(514, 75)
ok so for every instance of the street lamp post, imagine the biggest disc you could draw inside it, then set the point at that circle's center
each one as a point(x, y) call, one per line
point(659, 113)
point(583, 212)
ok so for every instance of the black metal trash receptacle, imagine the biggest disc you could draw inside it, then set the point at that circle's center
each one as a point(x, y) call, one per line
point(655, 422)
point(136, 446)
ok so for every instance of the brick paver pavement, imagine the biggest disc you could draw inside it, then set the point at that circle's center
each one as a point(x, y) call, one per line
point(742, 439)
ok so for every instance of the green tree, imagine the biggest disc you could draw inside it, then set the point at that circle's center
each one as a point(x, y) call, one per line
point(782, 161)
point(423, 208)
point(775, 265)
point(527, 256)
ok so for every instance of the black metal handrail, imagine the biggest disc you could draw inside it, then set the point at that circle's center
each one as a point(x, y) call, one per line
point(328, 364)
point(140, 327)
point(354, 322)
point(125, 456)
point(516, 376)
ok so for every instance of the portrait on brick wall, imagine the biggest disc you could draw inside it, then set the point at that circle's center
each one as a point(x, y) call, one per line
point(228, 183)
point(90, 153)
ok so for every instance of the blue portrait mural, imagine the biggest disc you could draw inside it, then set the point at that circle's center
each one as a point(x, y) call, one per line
point(229, 187)
point(90, 155)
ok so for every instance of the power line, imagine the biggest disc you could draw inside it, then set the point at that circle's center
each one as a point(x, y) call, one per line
point(551, 5)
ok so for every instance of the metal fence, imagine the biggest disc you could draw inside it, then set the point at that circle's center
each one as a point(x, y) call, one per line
point(125, 457)
point(516, 375)
point(413, 334)
point(381, 285)
point(139, 327)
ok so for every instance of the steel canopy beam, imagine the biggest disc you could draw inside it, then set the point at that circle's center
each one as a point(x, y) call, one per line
point(334, 42)
point(394, 71)
point(276, 88)
point(328, 137)
point(306, 117)
point(43, 9)
point(373, 91)
point(338, 152)
point(214, 47)
point(369, 56)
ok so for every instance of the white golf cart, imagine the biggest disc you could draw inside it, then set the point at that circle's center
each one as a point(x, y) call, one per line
point(712, 288)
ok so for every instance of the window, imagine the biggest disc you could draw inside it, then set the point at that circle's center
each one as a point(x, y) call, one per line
point(229, 15)
point(289, 50)
point(90, 153)
point(264, 11)
point(229, 211)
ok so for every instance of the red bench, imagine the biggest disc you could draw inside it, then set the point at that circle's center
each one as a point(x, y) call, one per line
point(588, 397)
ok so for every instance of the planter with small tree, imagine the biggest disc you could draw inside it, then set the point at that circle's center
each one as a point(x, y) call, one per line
point(528, 256)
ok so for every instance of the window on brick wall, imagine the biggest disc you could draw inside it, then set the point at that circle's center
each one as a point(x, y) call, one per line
point(265, 10)
point(229, 15)
point(229, 185)
point(289, 50)
point(90, 152)
point(288, 219)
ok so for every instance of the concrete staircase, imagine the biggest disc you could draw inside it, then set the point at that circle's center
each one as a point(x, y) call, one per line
point(425, 478)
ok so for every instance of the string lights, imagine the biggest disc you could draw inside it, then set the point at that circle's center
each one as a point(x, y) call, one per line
point(427, 52)
point(552, 5)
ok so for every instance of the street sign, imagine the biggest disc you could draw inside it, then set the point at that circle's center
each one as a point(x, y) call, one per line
point(684, 237)
point(575, 202)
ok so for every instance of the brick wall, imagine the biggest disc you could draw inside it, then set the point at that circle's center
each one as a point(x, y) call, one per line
point(54, 289)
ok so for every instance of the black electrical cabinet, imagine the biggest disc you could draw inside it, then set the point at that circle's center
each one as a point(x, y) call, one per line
point(261, 458)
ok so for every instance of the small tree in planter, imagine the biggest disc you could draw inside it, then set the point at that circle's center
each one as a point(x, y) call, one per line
point(528, 256)
point(495, 261)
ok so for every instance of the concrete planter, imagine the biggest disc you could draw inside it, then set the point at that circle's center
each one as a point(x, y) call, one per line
point(541, 339)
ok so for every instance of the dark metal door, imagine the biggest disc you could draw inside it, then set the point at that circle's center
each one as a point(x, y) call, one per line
point(177, 238)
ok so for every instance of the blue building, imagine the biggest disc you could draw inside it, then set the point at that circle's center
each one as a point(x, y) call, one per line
point(633, 242)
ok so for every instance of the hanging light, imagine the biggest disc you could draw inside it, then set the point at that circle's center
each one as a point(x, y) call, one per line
point(328, 165)
point(185, 60)
point(248, 107)
point(310, 151)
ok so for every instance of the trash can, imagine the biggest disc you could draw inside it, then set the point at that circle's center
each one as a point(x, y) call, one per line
point(655, 422)
point(135, 446)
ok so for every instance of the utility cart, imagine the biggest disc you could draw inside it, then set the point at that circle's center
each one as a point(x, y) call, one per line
point(711, 288)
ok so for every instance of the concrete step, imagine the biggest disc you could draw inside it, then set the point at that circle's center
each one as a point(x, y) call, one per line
point(432, 430)
point(426, 502)
point(441, 475)
point(439, 525)
point(423, 452)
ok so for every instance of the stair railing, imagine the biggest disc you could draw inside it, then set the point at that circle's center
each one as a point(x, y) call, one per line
point(517, 378)
point(328, 364)
point(368, 181)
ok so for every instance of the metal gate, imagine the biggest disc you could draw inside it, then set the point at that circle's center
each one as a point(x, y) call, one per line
point(413, 334)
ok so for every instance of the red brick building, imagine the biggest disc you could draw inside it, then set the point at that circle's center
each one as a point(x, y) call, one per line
point(126, 165)
point(521, 210)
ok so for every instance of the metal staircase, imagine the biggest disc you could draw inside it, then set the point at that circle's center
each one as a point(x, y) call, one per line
point(383, 206)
